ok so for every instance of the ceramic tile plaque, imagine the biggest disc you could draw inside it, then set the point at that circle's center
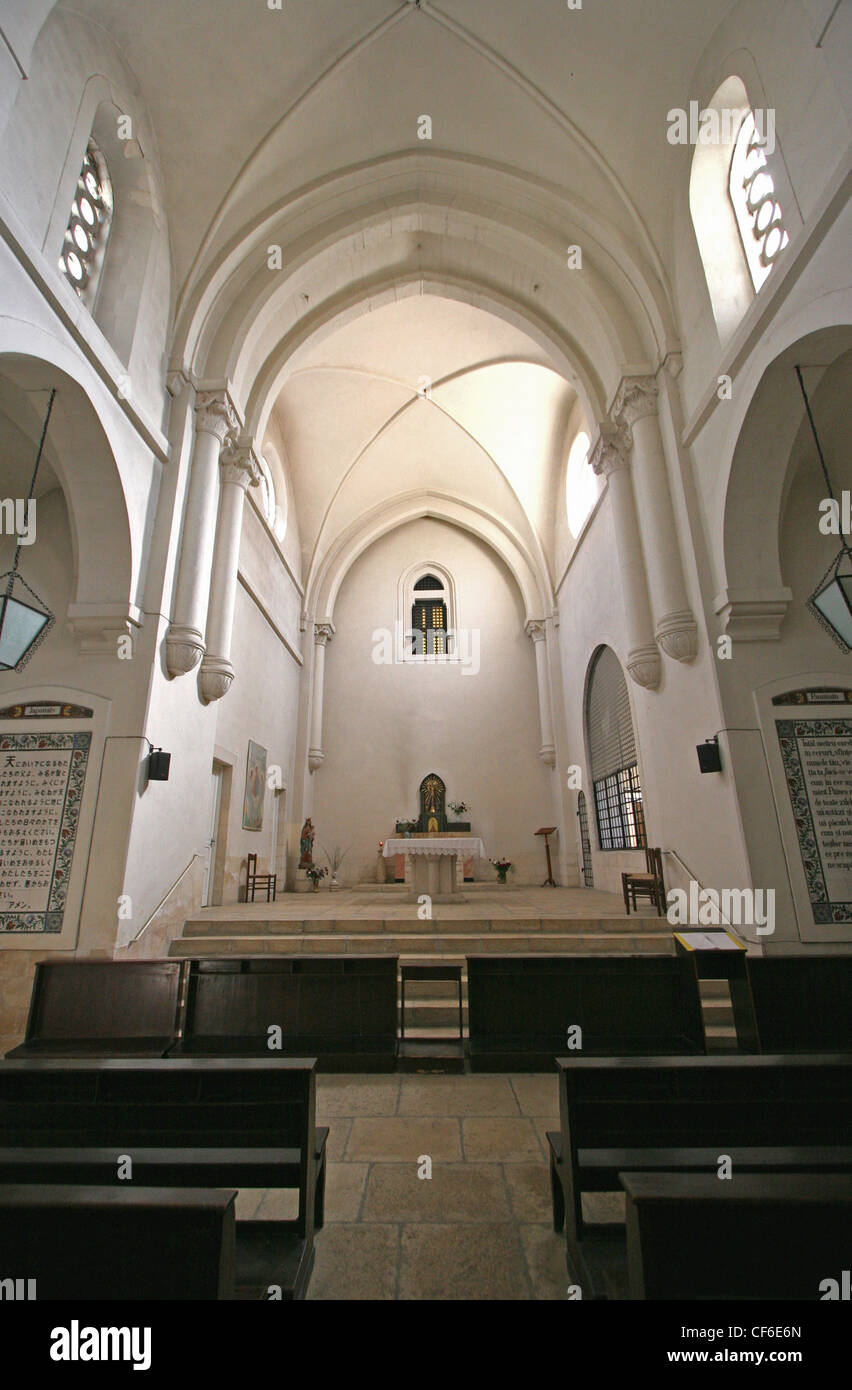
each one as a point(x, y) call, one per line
point(42, 779)
point(817, 759)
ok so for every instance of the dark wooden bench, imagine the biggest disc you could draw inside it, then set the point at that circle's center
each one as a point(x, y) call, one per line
point(119, 1243)
point(103, 1008)
point(201, 1122)
point(340, 1009)
point(802, 1004)
point(628, 1114)
point(521, 1007)
point(759, 1236)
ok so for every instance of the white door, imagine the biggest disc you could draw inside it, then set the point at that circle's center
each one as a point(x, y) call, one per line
point(216, 799)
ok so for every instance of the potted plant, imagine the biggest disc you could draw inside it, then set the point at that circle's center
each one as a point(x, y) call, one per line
point(315, 874)
point(502, 866)
point(335, 859)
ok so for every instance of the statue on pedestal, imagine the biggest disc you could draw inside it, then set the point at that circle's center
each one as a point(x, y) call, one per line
point(306, 845)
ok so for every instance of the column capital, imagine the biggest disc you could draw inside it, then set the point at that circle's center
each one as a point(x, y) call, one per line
point(324, 633)
point(238, 463)
point(611, 450)
point(536, 628)
point(215, 413)
point(635, 398)
point(644, 666)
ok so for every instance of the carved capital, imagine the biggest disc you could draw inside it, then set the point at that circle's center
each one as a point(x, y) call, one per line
point(215, 414)
point(677, 634)
point(536, 628)
point(635, 398)
point(753, 615)
point(184, 649)
point(645, 666)
point(238, 464)
point(215, 678)
point(324, 633)
point(316, 758)
point(611, 450)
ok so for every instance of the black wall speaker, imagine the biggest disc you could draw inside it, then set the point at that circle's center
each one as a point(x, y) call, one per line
point(158, 765)
point(709, 756)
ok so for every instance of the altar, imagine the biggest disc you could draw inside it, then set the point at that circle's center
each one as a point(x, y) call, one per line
point(433, 862)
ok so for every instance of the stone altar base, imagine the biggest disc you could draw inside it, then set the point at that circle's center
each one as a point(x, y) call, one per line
point(301, 883)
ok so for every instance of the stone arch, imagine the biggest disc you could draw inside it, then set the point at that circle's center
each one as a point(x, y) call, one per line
point(754, 600)
point(325, 580)
point(80, 453)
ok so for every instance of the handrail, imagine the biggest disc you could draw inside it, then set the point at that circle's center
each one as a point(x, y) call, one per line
point(693, 879)
point(164, 898)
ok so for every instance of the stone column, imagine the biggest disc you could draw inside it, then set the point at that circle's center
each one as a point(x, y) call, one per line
point(237, 471)
point(537, 630)
point(215, 418)
point(610, 457)
point(635, 407)
point(323, 634)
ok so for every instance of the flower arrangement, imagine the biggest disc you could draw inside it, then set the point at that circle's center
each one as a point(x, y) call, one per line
point(405, 827)
point(315, 874)
point(502, 866)
point(335, 858)
point(458, 808)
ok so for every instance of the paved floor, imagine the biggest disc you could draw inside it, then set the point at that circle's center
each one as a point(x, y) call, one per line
point(484, 901)
point(479, 1228)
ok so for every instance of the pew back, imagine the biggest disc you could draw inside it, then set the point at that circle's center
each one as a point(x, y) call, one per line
point(802, 1005)
point(114, 1243)
point(521, 1008)
point(103, 1006)
point(341, 1009)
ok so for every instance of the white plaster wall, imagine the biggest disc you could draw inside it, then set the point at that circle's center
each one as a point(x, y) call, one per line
point(686, 812)
point(387, 726)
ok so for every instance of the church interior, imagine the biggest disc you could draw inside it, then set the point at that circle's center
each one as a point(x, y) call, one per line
point(425, 650)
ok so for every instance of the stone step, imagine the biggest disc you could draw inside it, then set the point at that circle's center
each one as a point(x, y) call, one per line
point(718, 1011)
point(410, 945)
point(432, 1013)
point(466, 926)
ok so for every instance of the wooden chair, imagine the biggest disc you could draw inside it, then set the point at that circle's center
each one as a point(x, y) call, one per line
point(648, 885)
point(255, 880)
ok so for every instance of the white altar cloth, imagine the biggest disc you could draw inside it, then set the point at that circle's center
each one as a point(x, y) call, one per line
point(465, 845)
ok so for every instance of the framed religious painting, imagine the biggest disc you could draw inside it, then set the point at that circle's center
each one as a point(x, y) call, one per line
point(255, 787)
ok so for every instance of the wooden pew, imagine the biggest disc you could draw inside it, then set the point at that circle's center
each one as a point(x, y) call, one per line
point(103, 1008)
point(759, 1236)
point(802, 1005)
point(119, 1243)
point(200, 1122)
point(340, 1009)
point(521, 1007)
point(630, 1114)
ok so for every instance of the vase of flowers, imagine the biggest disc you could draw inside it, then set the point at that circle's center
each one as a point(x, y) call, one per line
point(405, 827)
point(502, 866)
point(458, 808)
point(335, 858)
point(315, 874)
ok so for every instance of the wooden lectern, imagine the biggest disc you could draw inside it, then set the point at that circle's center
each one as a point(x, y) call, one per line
point(550, 881)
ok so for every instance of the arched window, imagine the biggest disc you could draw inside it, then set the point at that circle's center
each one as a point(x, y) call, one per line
point(612, 755)
point(86, 235)
point(752, 191)
point(582, 486)
point(429, 633)
point(427, 615)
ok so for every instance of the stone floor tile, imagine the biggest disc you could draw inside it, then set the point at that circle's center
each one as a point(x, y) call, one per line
point(344, 1191)
point(545, 1255)
point(403, 1139)
point(462, 1192)
point(500, 1140)
point(248, 1201)
point(338, 1135)
point(457, 1095)
point(463, 1262)
point(537, 1095)
point(356, 1095)
point(355, 1262)
point(528, 1187)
